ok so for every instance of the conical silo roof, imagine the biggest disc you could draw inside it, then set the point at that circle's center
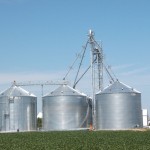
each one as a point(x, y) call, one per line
point(16, 91)
point(64, 90)
point(118, 87)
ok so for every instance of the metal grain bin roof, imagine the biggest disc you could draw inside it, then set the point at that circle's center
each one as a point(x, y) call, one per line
point(64, 90)
point(118, 87)
point(16, 91)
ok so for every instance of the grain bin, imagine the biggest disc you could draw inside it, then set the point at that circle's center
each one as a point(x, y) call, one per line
point(118, 107)
point(18, 110)
point(65, 109)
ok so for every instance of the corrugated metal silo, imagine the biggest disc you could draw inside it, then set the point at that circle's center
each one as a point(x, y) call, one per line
point(118, 107)
point(18, 110)
point(65, 109)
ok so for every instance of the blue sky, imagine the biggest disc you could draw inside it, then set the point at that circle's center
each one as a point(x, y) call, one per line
point(39, 40)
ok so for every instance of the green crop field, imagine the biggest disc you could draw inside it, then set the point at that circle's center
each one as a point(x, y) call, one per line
point(76, 140)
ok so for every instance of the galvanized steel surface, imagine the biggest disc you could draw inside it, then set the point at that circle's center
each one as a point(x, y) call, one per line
point(118, 87)
point(65, 109)
point(18, 110)
point(118, 109)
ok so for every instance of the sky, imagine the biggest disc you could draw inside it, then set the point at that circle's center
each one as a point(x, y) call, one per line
point(40, 39)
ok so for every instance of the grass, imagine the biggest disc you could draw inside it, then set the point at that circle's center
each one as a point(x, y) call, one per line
point(76, 140)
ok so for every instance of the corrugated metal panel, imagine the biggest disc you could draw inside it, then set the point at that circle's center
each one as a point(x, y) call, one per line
point(18, 110)
point(16, 91)
point(116, 110)
point(64, 90)
point(65, 109)
point(118, 87)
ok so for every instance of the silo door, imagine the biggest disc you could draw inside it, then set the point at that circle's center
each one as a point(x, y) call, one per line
point(6, 121)
point(11, 112)
point(11, 118)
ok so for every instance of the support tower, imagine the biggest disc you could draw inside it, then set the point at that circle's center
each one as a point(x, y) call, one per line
point(96, 68)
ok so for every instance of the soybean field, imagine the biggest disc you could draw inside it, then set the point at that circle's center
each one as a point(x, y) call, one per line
point(76, 140)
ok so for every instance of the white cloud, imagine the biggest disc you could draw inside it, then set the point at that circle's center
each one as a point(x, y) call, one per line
point(124, 66)
point(134, 71)
point(139, 75)
point(138, 78)
point(131, 72)
point(30, 76)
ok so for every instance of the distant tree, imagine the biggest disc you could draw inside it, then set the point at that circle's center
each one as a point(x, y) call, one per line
point(39, 123)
